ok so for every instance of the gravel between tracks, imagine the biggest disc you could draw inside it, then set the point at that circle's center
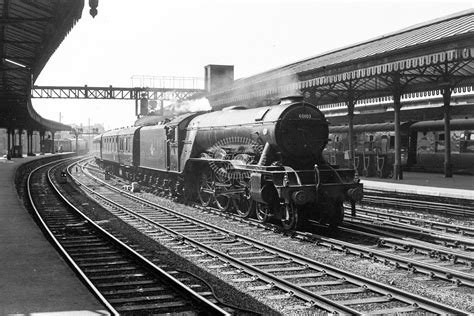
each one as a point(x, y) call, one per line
point(461, 298)
point(224, 291)
point(454, 220)
point(237, 294)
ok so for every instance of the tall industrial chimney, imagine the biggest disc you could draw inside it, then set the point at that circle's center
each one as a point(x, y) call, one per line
point(217, 77)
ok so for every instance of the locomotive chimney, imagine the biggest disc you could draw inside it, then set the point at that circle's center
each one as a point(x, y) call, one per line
point(291, 99)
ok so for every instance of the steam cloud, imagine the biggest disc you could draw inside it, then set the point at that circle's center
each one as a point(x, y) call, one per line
point(189, 106)
point(267, 83)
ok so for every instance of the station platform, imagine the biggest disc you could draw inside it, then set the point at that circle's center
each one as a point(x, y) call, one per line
point(430, 184)
point(34, 278)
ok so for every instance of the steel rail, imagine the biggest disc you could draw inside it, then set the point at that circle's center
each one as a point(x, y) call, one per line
point(216, 310)
point(457, 241)
point(429, 224)
point(410, 243)
point(207, 305)
point(443, 274)
point(376, 286)
point(306, 295)
point(58, 245)
point(415, 203)
point(426, 268)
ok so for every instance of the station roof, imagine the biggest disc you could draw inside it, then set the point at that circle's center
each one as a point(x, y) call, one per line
point(438, 125)
point(376, 127)
point(30, 32)
point(421, 58)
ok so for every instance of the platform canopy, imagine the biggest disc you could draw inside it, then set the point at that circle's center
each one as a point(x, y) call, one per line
point(30, 32)
point(416, 61)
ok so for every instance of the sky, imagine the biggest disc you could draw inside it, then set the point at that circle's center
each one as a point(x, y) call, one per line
point(180, 37)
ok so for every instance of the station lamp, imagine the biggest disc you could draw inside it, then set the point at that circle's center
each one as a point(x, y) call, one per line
point(93, 5)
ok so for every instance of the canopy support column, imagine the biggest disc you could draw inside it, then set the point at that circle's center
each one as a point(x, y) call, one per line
point(448, 166)
point(28, 143)
point(9, 143)
point(41, 141)
point(29, 140)
point(136, 108)
point(9, 139)
point(20, 137)
point(397, 105)
point(350, 114)
point(52, 141)
point(13, 137)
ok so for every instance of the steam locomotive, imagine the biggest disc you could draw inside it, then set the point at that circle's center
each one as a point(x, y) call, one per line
point(265, 161)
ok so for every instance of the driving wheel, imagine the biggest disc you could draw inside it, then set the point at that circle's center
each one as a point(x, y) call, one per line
point(206, 187)
point(290, 218)
point(263, 212)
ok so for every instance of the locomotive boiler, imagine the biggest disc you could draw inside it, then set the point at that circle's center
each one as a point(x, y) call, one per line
point(265, 161)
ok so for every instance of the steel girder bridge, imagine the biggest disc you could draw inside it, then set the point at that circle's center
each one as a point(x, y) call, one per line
point(142, 95)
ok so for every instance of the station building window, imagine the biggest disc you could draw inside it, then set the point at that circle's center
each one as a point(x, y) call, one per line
point(392, 142)
point(440, 145)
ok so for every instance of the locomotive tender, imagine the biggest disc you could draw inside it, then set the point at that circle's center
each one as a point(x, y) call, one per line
point(265, 161)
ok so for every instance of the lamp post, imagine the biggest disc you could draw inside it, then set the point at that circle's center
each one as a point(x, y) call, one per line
point(93, 4)
point(76, 133)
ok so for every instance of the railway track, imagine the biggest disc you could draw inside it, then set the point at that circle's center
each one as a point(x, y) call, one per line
point(286, 276)
point(454, 237)
point(122, 279)
point(446, 260)
point(442, 261)
point(403, 220)
point(413, 255)
point(440, 205)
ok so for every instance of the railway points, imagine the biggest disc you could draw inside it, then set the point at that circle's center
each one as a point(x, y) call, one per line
point(35, 279)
